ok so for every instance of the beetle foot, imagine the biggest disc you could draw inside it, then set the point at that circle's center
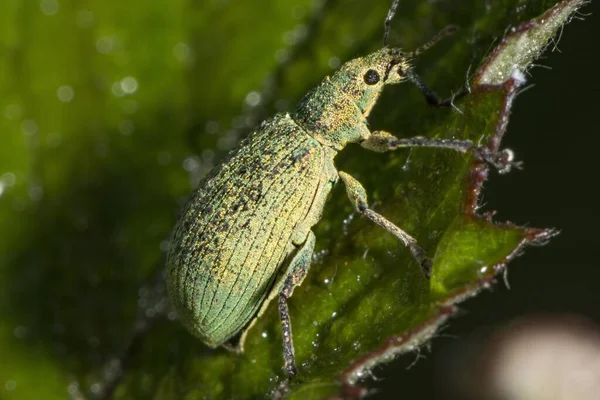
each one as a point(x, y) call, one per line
point(503, 160)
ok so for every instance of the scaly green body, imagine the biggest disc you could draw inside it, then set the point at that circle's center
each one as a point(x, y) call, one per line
point(240, 226)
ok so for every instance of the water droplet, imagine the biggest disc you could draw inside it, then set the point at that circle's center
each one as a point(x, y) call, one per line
point(112, 369)
point(29, 127)
point(483, 270)
point(334, 62)
point(20, 331)
point(9, 179)
point(334, 314)
point(96, 388)
point(36, 192)
point(356, 345)
point(191, 164)
point(73, 388)
point(129, 85)
point(12, 111)
point(65, 93)
point(282, 55)
point(117, 90)
point(49, 7)
point(264, 335)
point(105, 44)
point(182, 52)
point(10, 385)
point(253, 99)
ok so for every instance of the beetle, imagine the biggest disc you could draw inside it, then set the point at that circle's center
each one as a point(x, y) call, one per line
point(245, 238)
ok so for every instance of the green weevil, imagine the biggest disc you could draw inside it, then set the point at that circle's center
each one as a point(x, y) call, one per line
point(245, 235)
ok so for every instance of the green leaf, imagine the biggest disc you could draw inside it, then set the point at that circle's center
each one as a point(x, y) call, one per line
point(111, 113)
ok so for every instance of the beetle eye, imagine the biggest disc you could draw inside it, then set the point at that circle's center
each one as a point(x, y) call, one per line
point(371, 77)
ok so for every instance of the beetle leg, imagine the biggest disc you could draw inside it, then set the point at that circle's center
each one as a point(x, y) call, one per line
point(382, 141)
point(358, 197)
point(298, 269)
point(430, 96)
point(289, 358)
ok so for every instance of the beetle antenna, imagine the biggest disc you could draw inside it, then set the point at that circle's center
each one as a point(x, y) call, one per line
point(447, 31)
point(388, 21)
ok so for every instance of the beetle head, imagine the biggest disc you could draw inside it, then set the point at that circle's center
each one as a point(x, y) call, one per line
point(364, 78)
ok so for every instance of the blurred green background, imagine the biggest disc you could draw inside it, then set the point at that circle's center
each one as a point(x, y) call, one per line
point(110, 112)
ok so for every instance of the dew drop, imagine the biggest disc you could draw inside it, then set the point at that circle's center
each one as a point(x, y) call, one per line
point(29, 127)
point(12, 111)
point(182, 51)
point(96, 388)
point(49, 7)
point(191, 164)
point(253, 99)
point(36, 192)
point(73, 388)
point(20, 331)
point(8, 178)
point(334, 62)
point(105, 44)
point(129, 85)
point(117, 89)
point(65, 93)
